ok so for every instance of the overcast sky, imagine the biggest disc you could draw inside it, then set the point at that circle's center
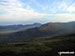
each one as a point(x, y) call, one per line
point(40, 11)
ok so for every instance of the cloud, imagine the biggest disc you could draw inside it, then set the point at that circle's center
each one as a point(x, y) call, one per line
point(13, 10)
point(16, 12)
point(62, 17)
point(67, 6)
point(62, 6)
point(71, 8)
point(39, 5)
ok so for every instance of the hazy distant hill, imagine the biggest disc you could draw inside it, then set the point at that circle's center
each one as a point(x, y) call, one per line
point(46, 30)
point(14, 28)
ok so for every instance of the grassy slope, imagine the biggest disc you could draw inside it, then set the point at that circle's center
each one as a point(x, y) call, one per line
point(39, 47)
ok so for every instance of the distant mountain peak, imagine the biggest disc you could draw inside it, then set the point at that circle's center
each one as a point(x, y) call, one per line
point(37, 24)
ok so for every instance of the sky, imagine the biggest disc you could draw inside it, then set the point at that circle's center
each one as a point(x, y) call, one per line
point(36, 11)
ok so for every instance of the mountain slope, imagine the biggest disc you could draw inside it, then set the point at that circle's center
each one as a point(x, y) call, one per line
point(46, 30)
point(15, 28)
point(40, 46)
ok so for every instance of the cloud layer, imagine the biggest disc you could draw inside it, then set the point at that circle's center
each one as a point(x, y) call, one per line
point(37, 10)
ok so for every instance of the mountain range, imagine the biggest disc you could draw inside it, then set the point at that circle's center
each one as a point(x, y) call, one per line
point(19, 27)
point(39, 31)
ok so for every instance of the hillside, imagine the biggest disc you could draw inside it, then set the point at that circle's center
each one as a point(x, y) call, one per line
point(47, 30)
point(46, 40)
point(16, 28)
point(39, 46)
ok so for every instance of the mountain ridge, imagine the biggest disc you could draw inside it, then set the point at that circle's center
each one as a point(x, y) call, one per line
point(19, 27)
point(47, 30)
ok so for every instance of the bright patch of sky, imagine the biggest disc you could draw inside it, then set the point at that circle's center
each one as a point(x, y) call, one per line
point(31, 11)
